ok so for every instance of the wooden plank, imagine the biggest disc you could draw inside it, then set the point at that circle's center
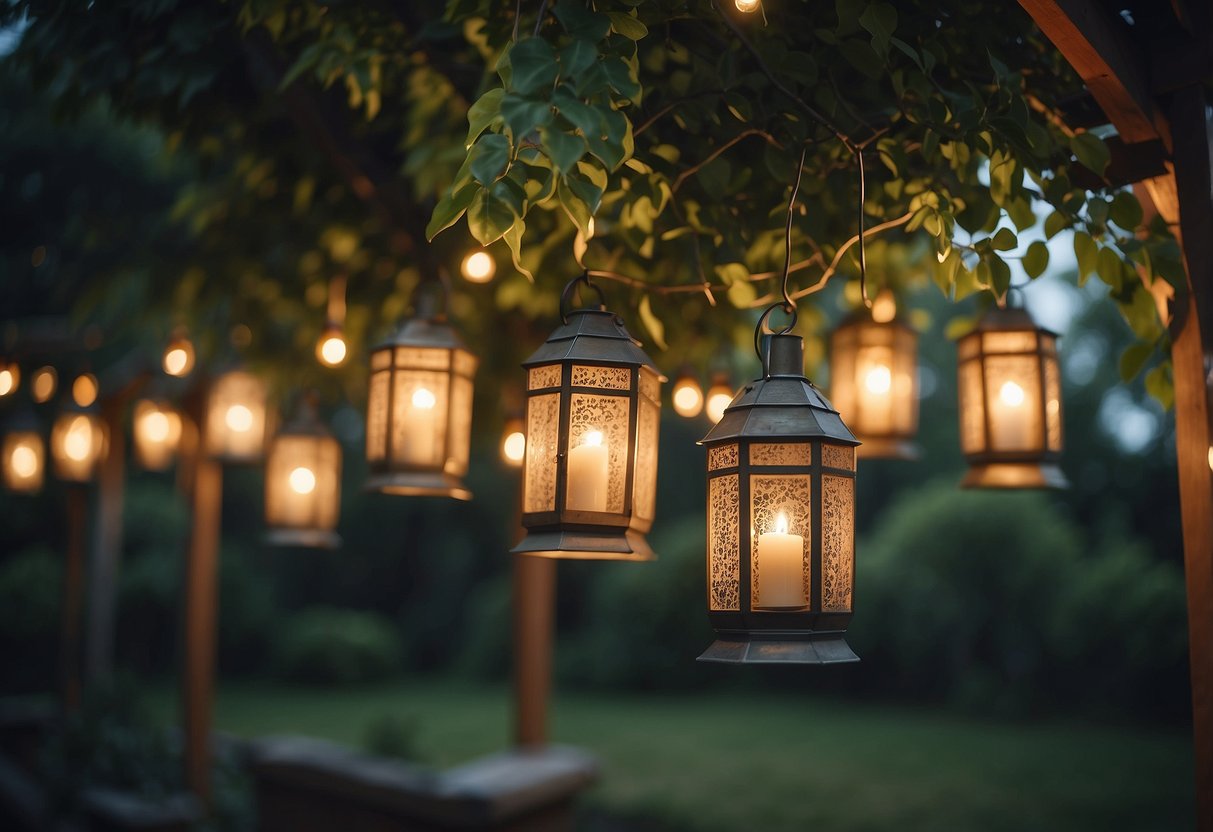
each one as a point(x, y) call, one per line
point(1101, 49)
point(73, 596)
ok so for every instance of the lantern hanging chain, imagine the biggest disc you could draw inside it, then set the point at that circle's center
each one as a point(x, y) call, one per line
point(787, 304)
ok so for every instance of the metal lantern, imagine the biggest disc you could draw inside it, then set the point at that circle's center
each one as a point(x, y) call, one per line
point(78, 444)
point(592, 420)
point(303, 484)
point(236, 418)
point(1010, 403)
point(781, 520)
point(419, 409)
point(874, 382)
point(23, 463)
point(157, 433)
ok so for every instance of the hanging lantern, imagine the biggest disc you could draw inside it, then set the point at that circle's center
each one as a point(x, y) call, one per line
point(593, 410)
point(1010, 403)
point(687, 395)
point(419, 409)
point(157, 434)
point(513, 443)
point(303, 484)
point(236, 418)
point(874, 380)
point(10, 377)
point(24, 455)
point(781, 520)
point(78, 444)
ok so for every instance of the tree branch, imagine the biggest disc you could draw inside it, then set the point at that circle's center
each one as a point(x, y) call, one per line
point(744, 134)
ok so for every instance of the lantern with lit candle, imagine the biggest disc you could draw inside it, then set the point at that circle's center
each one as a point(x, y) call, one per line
point(781, 520)
point(24, 454)
point(593, 412)
point(157, 433)
point(78, 444)
point(1010, 403)
point(419, 409)
point(236, 417)
point(303, 484)
point(687, 395)
point(10, 378)
point(719, 396)
point(874, 380)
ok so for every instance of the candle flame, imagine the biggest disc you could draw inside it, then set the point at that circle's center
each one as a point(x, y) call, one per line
point(781, 523)
point(155, 426)
point(424, 399)
point(1012, 394)
point(878, 380)
point(25, 461)
point(302, 480)
point(78, 442)
point(239, 418)
point(593, 438)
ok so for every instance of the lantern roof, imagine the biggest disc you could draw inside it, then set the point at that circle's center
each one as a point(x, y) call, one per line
point(424, 330)
point(1008, 319)
point(595, 336)
point(306, 421)
point(782, 404)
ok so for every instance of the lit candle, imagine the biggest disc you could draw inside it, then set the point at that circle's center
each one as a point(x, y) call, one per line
point(419, 444)
point(1009, 419)
point(781, 567)
point(588, 474)
point(876, 399)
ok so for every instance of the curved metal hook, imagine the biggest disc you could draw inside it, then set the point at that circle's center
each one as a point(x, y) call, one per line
point(761, 329)
point(566, 297)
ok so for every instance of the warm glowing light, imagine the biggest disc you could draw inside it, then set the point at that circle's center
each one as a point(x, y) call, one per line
point(747, 6)
point(424, 399)
point(156, 426)
point(331, 350)
point(179, 357)
point(1211, 456)
point(513, 447)
point(688, 397)
point(478, 267)
point(78, 441)
point(879, 380)
point(781, 523)
point(593, 438)
point(8, 381)
point(24, 461)
point(84, 389)
point(1012, 394)
point(43, 385)
point(884, 308)
point(239, 418)
point(719, 397)
point(302, 480)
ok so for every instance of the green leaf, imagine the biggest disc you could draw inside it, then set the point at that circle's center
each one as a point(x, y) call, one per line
point(513, 240)
point(580, 22)
point(1091, 151)
point(534, 65)
point(565, 148)
point(1160, 385)
point(622, 79)
point(450, 208)
point(1004, 239)
point(627, 25)
point(1133, 359)
point(959, 327)
point(1055, 223)
point(482, 113)
point(1036, 259)
point(489, 216)
point(1126, 211)
point(489, 158)
point(522, 115)
point(1000, 275)
point(1087, 253)
point(741, 294)
point(576, 58)
point(574, 206)
point(880, 19)
point(652, 323)
point(1110, 268)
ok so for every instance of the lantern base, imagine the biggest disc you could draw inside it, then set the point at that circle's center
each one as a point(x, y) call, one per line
point(884, 448)
point(421, 484)
point(780, 648)
point(624, 544)
point(1015, 475)
point(308, 538)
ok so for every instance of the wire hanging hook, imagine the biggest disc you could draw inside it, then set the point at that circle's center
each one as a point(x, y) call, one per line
point(566, 297)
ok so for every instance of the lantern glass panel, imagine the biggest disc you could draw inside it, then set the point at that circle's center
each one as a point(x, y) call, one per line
point(157, 434)
point(837, 541)
point(542, 378)
point(724, 542)
point(1013, 392)
point(722, 456)
point(377, 411)
point(838, 456)
point(599, 430)
point(780, 532)
point(543, 422)
point(302, 483)
point(1052, 402)
point(24, 461)
point(972, 405)
point(236, 417)
point(608, 378)
point(781, 453)
point(419, 416)
point(461, 427)
point(644, 497)
point(1014, 341)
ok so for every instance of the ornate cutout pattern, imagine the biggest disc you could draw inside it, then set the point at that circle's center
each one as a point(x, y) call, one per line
point(415, 358)
point(608, 414)
point(542, 420)
point(644, 499)
point(608, 378)
point(724, 552)
point(650, 386)
point(770, 496)
point(722, 456)
point(837, 543)
point(782, 453)
point(543, 377)
point(838, 456)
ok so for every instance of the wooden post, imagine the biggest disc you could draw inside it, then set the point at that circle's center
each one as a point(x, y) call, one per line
point(201, 571)
point(73, 596)
point(534, 614)
point(107, 544)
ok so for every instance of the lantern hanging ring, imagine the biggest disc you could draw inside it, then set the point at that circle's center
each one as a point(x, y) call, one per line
point(566, 297)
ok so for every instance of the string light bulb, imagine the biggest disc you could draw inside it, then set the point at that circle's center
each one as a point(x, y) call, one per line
point(43, 384)
point(178, 357)
point(478, 267)
point(331, 349)
point(84, 389)
point(10, 378)
point(720, 395)
point(688, 396)
point(513, 443)
point(747, 6)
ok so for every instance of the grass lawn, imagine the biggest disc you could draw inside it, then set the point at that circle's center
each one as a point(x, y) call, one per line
point(750, 761)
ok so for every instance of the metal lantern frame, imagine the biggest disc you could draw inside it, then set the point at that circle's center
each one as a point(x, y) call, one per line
point(1002, 335)
point(424, 344)
point(70, 469)
point(779, 432)
point(590, 364)
point(860, 332)
point(323, 503)
point(23, 428)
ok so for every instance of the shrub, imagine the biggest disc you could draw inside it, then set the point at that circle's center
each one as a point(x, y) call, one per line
point(31, 589)
point(325, 645)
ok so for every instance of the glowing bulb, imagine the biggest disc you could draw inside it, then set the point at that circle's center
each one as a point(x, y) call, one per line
point(1211, 457)
point(781, 523)
point(478, 267)
point(179, 357)
point(513, 447)
point(719, 397)
point(1012, 394)
point(239, 418)
point(884, 308)
point(44, 383)
point(592, 438)
point(423, 399)
point(878, 380)
point(78, 441)
point(155, 426)
point(84, 389)
point(688, 397)
point(331, 350)
point(8, 381)
point(24, 461)
point(747, 6)
point(302, 480)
